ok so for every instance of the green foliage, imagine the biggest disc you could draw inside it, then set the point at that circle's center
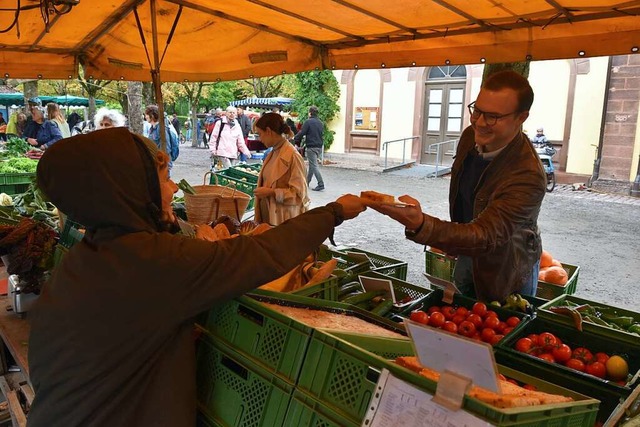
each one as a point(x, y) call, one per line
point(319, 88)
point(16, 147)
point(220, 94)
point(18, 165)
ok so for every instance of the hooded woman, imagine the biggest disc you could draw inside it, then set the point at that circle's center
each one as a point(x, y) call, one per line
point(112, 333)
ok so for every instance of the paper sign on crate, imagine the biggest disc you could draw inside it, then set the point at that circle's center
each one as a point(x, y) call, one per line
point(375, 284)
point(398, 403)
point(443, 351)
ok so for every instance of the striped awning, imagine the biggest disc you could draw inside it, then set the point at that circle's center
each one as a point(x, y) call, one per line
point(263, 102)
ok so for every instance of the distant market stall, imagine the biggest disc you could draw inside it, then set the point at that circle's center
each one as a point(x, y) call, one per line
point(277, 101)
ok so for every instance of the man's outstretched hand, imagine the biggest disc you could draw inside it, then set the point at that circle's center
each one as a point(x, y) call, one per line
point(351, 205)
point(410, 216)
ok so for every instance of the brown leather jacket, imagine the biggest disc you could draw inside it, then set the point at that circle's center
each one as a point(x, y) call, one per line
point(503, 237)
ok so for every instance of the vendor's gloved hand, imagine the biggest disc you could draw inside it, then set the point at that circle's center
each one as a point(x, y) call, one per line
point(351, 205)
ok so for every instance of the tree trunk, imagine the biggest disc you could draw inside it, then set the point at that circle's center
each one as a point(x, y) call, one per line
point(521, 68)
point(148, 94)
point(136, 111)
point(92, 106)
point(30, 90)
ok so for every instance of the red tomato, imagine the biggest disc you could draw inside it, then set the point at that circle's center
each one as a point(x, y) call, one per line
point(513, 321)
point(419, 316)
point(475, 319)
point(457, 319)
point(463, 311)
point(467, 329)
point(433, 309)
point(487, 334)
point(476, 337)
point(583, 354)
point(491, 313)
point(524, 345)
point(492, 322)
point(449, 326)
point(480, 309)
point(437, 319)
point(496, 339)
point(601, 357)
point(576, 364)
point(562, 353)
point(547, 341)
point(501, 325)
point(534, 339)
point(448, 312)
point(548, 357)
point(507, 330)
point(597, 369)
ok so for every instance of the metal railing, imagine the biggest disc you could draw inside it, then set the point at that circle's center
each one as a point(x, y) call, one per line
point(404, 143)
point(439, 148)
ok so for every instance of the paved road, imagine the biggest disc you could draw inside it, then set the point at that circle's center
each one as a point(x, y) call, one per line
point(598, 232)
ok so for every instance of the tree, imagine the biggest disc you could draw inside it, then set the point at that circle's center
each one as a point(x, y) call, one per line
point(92, 87)
point(319, 88)
point(30, 90)
point(193, 92)
point(219, 95)
point(267, 87)
point(135, 109)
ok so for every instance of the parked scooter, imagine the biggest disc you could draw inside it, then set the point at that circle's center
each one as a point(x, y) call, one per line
point(546, 152)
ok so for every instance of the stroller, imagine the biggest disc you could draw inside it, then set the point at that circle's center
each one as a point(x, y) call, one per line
point(546, 151)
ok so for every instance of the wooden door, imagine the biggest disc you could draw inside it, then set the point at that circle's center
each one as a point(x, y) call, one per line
point(443, 116)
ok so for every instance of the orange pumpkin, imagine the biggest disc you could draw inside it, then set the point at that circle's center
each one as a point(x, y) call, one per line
point(556, 276)
point(545, 259)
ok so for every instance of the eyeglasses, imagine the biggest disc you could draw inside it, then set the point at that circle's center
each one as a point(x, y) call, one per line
point(489, 118)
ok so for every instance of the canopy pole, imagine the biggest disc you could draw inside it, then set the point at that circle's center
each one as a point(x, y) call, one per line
point(155, 76)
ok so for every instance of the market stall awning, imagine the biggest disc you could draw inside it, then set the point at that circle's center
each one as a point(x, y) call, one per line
point(277, 101)
point(17, 98)
point(230, 40)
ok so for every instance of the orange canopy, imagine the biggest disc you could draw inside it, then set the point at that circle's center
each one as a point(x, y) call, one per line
point(237, 39)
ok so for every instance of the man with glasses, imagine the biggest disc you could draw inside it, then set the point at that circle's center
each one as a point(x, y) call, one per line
point(497, 186)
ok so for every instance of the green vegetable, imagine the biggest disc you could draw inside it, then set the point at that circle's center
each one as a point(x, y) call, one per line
point(16, 147)
point(383, 308)
point(349, 288)
point(635, 328)
point(362, 297)
point(18, 165)
point(186, 187)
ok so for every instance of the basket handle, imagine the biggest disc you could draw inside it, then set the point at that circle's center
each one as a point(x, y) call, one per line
point(204, 179)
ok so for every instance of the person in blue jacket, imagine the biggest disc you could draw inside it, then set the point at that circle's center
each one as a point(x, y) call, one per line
point(42, 133)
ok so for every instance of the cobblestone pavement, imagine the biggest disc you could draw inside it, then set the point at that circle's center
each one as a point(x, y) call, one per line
point(596, 231)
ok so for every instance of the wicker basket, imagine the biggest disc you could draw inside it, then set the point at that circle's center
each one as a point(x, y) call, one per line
point(213, 201)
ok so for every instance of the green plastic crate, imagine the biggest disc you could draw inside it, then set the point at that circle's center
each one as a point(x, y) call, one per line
point(439, 265)
point(16, 178)
point(278, 342)
point(235, 391)
point(13, 189)
point(608, 392)
point(351, 266)
point(344, 374)
point(305, 411)
point(550, 291)
point(238, 172)
point(71, 233)
point(435, 298)
point(327, 289)
point(562, 300)
point(222, 178)
point(341, 371)
point(383, 264)
point(402, 290)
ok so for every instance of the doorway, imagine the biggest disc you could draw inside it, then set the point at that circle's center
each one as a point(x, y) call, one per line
point(444, 110)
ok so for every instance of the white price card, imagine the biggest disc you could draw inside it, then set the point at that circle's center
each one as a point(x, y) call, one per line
point(359, 256)
point(443, 351)
point(397, 403)
point(375, 284)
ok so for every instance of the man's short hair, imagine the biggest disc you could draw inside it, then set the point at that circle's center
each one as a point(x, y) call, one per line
point(313, 110)
point(153, 112)
point(509, 79)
